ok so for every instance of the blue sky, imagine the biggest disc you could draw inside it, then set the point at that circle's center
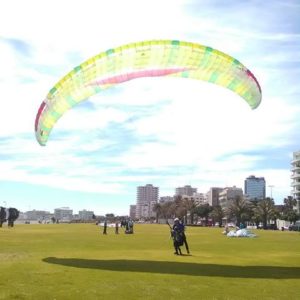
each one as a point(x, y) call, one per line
point(163, 131)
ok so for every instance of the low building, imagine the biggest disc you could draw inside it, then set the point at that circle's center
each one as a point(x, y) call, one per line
point(187, 190)
point(228, 194)
point(166, 199)
point(37, 215)
point(63, 214)
point(200, 198)
point(85, 215)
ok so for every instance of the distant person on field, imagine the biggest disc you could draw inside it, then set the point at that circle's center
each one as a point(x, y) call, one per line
point(129, 227)
point(105, 227)
point(117, 228)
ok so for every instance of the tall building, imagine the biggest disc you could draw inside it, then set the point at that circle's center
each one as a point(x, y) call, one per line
point(228, 194)
point(213, 196)
point(132, 212)
point(296, 178)
point(187, 190)
point(255, 188)
point(147, 197)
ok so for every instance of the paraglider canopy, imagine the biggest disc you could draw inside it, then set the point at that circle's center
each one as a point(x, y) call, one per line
point(144, 59)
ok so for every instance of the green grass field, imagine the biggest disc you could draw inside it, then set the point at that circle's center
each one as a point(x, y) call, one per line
point(75, 261)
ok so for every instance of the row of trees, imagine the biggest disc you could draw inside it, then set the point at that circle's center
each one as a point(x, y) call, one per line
point(239, 211)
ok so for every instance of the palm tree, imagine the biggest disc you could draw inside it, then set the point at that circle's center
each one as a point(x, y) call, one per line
point(203, 212)
point(239, 209)
point(255, 217)
point(178, 208)
point(289, 214)
point(266, 210)
point(190, 206)
point(217, 214)
point(157, 208)
point(289, 202)
point(168, 209)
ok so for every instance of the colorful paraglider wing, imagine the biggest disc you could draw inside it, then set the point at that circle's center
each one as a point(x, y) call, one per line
point(144, 59)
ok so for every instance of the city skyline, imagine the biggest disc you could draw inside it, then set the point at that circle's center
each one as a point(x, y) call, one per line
point(167, 131)
point(144, 197)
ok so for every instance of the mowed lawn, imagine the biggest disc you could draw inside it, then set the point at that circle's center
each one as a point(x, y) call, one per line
point(76, 261)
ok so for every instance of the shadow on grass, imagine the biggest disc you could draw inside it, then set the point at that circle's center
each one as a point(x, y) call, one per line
point(180, 268)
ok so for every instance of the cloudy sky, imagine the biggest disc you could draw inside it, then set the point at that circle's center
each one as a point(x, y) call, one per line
point(168, 132)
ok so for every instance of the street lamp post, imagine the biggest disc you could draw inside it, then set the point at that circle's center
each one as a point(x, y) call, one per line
point(271, 189)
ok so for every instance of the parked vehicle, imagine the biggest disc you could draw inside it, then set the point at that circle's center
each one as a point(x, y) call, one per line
point(295, 227)
point(268, 227)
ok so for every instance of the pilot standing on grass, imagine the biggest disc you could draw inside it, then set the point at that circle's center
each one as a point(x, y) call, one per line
point(105, 227)
point(117, 227)
point(177, 236)
point(182, 229)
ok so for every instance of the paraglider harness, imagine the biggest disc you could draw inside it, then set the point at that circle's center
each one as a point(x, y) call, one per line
point(176, 234)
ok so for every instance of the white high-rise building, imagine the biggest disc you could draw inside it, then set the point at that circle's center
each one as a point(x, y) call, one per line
point(132, 212)
point(255, 188)
point(296, 178)
point(146, 198)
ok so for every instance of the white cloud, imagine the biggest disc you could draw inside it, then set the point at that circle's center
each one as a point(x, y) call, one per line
point(191, 131)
